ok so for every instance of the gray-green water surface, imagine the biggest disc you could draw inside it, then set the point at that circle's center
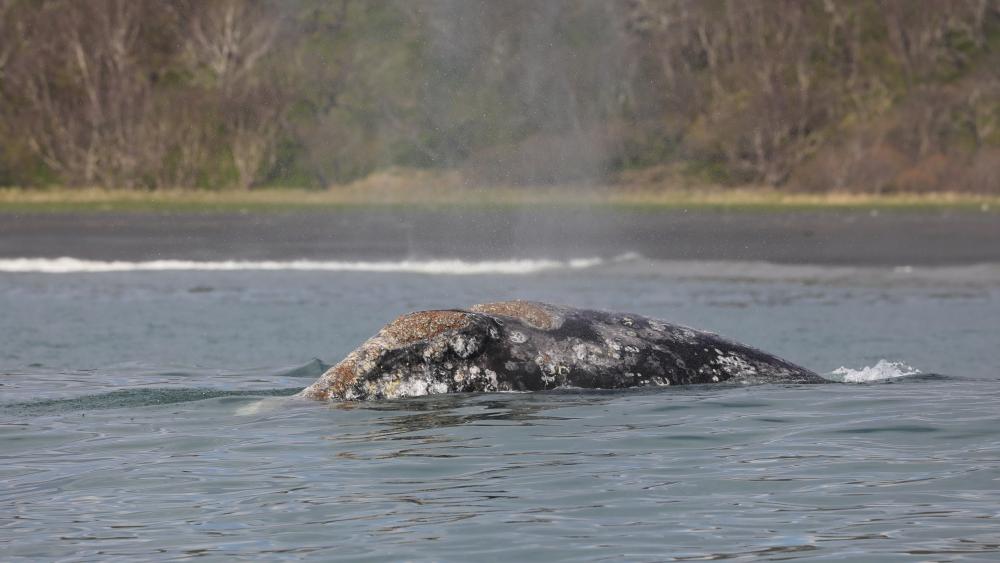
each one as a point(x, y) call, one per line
point(145, 415)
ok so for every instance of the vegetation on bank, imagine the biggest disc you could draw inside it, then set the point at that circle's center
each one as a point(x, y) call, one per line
point(353, 197)
point(813, 96)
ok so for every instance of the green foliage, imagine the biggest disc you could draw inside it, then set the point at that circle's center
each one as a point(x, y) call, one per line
point(314, 92)
point(711, 171)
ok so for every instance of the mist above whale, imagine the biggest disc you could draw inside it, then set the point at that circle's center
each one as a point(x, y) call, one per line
point(533, 346)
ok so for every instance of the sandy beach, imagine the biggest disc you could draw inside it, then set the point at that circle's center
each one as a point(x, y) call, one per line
point(856, 237)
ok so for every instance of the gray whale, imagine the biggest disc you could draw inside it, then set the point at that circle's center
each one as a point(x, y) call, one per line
point(532, 346)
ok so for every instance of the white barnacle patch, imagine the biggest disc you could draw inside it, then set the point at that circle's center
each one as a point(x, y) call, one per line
point(735, 365)
point(477, 378)
point(397, 386)
point(658, 327)
point(491, 380)
point(548, 368)
point(414, 387)
point(462, 374)
point(615, 348)
point(494, 333)
point(585, 352)
point(463, 345)
point(627, 321)
point(434, 351)
point(517, 337)
point(631, 349)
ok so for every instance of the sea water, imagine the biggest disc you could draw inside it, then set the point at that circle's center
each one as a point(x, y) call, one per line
point(145, 413)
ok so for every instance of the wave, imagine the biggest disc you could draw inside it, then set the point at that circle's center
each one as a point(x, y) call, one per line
point(629, 263)
point(882, 371)
point(131, 398)
point(66, 265)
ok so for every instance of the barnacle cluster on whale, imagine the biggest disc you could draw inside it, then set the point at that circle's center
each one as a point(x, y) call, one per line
point(533, 346)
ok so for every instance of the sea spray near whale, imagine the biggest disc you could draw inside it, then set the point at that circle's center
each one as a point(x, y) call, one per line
point(532, 346)
point(883, 370)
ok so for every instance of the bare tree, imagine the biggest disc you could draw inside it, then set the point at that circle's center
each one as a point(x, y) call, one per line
point(79, 83)
point(231, 38)
point(10, 34)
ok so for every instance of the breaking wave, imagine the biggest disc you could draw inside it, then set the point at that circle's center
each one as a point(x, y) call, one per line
point(67, 265)
point(881, 371)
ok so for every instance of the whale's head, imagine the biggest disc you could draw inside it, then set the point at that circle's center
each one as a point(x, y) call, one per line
point(428, 352)
point(416, 354)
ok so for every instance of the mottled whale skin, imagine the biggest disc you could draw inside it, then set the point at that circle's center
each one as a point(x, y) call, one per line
point(531, 346)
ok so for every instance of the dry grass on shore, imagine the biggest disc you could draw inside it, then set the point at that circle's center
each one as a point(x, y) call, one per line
point(373, 193)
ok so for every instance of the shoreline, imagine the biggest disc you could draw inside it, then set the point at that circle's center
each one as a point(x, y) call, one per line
point(859, 237)
point(96, 200)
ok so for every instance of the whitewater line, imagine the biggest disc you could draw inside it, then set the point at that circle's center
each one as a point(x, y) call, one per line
point(67, 265)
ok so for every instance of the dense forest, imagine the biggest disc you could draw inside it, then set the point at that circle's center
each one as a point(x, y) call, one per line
point(813, 95)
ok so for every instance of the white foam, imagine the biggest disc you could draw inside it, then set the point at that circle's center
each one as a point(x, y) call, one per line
point(456, 267)
point(881, 371)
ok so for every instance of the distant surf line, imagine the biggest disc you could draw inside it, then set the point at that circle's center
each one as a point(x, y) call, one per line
point(67, 265)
